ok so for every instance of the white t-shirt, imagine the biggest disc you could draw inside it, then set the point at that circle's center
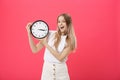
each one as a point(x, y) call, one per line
point(47, 55)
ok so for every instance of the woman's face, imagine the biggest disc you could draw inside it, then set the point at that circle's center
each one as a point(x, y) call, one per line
point(62, 24)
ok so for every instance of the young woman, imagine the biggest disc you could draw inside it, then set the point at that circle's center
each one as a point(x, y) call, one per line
point(59, 44)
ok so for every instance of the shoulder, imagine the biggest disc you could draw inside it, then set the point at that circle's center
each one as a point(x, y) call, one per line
point(51, 34)
point(52, 31)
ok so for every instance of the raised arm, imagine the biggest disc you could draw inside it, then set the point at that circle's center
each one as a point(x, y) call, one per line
point(59, 56)
point(34, 47)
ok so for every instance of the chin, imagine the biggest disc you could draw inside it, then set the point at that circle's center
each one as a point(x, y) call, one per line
point(62, 31)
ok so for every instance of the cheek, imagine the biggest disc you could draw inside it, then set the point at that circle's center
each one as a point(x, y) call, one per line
point(65, 28)
point(65, 25)
point(58, 24)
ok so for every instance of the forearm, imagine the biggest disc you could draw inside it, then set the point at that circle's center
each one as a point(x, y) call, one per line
point(32, 44)
point(54, 52)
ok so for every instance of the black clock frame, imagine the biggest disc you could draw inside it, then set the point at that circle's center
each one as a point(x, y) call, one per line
point(34, 23)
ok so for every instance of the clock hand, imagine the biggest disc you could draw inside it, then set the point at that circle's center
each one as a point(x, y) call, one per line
point(41, 29)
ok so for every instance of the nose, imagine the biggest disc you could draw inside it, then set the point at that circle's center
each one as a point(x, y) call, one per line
point(61, 23)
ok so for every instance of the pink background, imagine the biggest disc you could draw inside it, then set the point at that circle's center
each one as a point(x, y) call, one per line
point(97, 27)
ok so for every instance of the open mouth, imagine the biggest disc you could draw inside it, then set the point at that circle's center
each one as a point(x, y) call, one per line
point(62, 27)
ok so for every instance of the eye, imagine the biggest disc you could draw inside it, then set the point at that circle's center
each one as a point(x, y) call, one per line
point(64, 21)
point(58, 21)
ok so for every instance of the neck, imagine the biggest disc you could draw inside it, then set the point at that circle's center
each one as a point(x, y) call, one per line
point(62, 34)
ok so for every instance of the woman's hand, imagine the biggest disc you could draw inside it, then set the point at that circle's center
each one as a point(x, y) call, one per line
point(28, 27)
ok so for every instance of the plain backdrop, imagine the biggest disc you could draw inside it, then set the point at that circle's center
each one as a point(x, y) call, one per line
point(97, 27)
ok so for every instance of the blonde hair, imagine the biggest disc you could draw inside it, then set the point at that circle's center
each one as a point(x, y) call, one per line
point(71, 38)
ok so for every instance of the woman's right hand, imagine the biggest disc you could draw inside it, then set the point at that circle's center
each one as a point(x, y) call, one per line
point(28, 27)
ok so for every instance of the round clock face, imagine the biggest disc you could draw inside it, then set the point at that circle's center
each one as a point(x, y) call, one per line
point(39, 29)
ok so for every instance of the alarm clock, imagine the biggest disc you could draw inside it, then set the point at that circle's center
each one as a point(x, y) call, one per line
point(39, 29)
